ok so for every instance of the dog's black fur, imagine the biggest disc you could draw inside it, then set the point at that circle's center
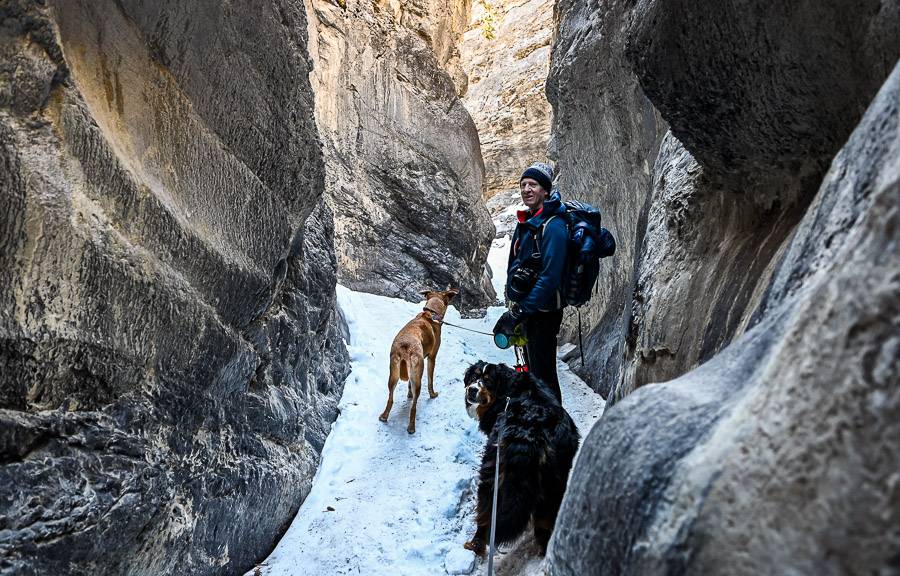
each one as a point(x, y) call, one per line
point(538, 441)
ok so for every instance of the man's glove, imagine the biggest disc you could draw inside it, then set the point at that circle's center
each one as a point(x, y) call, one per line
point(507, 323)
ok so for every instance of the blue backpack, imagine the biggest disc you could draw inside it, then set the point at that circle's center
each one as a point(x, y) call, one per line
point(588, 243)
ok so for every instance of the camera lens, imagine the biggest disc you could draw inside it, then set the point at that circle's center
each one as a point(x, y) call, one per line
point(520, 283)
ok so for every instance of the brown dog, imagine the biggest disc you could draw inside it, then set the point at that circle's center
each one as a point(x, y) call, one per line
point(418, 340)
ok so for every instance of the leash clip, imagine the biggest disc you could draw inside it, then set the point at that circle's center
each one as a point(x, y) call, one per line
point(521, 365)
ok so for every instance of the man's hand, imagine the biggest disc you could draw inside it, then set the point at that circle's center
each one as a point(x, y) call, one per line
point(507, 323)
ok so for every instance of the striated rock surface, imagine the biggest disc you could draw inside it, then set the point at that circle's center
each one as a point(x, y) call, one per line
point(404, 171)
point(707, 256)
point(506, 54)
point(777, 90)
point(779, 455)
point(169, 354)
point(757, 139)
point(441, 25)
point(605, 137)
point(772, 264)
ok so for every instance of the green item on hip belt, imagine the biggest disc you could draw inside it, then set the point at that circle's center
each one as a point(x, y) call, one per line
point(517, 338)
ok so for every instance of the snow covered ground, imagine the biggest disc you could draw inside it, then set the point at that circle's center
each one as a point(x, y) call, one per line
point(385, 502)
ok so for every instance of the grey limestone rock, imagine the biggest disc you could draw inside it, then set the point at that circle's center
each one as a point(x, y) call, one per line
point(506, 53)
point(706, 258)
point(763, 94)
point(759, 118)
point(605, 136)
point(169, 354)
point(404, 169)
point(779, 454)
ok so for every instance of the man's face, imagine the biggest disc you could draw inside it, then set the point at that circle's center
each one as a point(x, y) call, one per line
point(532, 193)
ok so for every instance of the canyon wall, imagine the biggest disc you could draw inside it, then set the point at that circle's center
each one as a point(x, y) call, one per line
point(759, 125)
point(170, 359)
point(752, 426)
point(506, 53)
point(404, 169)
point(604, 141)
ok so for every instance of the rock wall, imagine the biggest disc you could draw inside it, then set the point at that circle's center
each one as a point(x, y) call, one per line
point(506, 54)
point(441, 25)
point(796, 79)
point(404, 170)
point(169, 355)
point(759, 125)
point(604, 141)
point(706, 257)
point(769, 262)
point(779, 455)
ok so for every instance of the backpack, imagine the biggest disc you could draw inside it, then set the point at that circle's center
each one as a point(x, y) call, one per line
point(588, 243)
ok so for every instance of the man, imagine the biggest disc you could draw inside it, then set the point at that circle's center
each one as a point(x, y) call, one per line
point(534, 273)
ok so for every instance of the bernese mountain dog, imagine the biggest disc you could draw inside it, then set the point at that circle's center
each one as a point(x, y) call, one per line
point(538, 441)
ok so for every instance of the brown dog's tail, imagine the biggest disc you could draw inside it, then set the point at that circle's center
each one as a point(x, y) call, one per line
point(404, 369)
point(406, 360)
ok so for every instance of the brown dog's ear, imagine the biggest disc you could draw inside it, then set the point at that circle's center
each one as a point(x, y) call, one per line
point(451, 294)
point(425, 293)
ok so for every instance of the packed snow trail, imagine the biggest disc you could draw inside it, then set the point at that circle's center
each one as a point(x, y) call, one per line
point(385, 502)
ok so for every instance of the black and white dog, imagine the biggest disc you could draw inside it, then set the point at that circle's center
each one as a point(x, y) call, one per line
point(538, 441)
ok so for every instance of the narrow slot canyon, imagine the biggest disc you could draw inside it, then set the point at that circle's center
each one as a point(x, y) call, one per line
point(216, 216)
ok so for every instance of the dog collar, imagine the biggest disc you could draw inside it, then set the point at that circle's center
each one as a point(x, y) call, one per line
point(434, 314)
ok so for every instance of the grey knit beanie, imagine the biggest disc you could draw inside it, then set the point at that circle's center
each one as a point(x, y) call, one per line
point(542, 173)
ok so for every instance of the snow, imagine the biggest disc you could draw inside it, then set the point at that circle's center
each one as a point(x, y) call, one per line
point(497, 260)
point(385, 502)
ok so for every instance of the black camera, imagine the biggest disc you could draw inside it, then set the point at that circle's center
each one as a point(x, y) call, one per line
point(522, 280)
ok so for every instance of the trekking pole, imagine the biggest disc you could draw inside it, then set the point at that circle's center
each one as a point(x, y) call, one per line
point(490, 571)
point(580, 344)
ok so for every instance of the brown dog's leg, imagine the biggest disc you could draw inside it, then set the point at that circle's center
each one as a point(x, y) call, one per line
point(415, 379)
point(392, 383)
point(431, 391)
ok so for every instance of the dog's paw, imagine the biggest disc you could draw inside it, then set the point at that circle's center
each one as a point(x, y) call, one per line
point(433, 395)
point(476, 546)
point(411, 429)
point(383, 417)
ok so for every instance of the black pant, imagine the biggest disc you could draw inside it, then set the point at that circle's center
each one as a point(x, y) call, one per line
point(541, 330)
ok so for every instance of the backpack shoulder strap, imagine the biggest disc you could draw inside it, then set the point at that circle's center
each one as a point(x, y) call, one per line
point(539, 235)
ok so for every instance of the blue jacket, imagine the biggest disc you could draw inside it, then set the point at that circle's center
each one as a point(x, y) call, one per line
point(545, 295)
